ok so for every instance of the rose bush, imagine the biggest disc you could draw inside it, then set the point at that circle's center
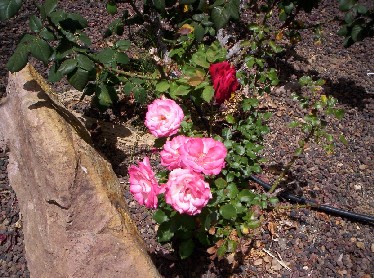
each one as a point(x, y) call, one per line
point(203, 155)
point(224, 81)
point(143, 184)
point(163, 117)
point(186, 191)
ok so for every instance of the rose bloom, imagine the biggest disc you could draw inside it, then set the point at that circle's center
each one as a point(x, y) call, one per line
point(170, 156)
point(143, 184)
point(163, 117)
point(186, 191)
point(203, 155)
point(224, 81)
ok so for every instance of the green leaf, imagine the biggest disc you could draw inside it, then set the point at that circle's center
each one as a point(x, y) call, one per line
point(232, 8)
point(47, 35)
point(357, 33)
point(19, 58)
point(48, 7)
point(208, 93)
point(123, 45)
point(253, 224)
point(349, 17)
point(361, 9)
point(249, 103)
point(246, 196)
point(273, 200)
point(231, 245)
point(228, 211)
point(35, 23)
point(85, 63)
point(343, 140)
point(221, 251)
point(41, 50)
point(200, 60)
point(294, 124)
point(232, 190)
point(78, 78)
point(199, 32)
point(162, 86)
point(230, 119)
point(159, 5)
point(220, 17)
point(165, 232)
point(140, 94)
point(76, 22)
point(122, 58)
point(239, 149)
point(343, 31)
point(54, 75)
point(186, 248)
point(128, 88)
point(84, 38)
point(159, 216)
point(180, 90)
point(107, 57)
point(111, 8)
point(67, 66)
point(106, 95)
point(220, 183)
point(346, 5)
point(9, 8)
point(339, 113)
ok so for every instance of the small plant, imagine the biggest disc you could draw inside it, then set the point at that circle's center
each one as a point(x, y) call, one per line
point(314, 124)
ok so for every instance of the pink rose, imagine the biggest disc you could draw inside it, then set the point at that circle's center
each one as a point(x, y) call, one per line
point(203, 155)
point(143, 184)
point(163, 117)
point(224, 81)
point(170, 156)
point(186, 191)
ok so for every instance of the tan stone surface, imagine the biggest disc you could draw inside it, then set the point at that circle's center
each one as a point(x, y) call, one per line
point(75, 221)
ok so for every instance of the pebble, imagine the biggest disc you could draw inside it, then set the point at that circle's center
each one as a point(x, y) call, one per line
point(360, 245)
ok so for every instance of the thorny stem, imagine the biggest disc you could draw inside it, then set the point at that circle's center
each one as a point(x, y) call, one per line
point(291, 162)
point(130, 74)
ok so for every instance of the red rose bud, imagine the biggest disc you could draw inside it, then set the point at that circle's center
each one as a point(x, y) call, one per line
point(224, 81)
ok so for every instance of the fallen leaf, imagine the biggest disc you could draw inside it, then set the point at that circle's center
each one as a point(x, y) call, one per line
point(272, 227)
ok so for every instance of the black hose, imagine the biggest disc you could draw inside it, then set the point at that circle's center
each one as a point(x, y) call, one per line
point(314, 205)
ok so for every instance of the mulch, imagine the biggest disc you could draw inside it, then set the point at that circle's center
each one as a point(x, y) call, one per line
point(309, 243)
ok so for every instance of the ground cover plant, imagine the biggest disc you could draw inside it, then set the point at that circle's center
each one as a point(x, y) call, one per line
point(201, 86)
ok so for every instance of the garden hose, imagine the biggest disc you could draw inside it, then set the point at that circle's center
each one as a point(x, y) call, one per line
point(314, 205)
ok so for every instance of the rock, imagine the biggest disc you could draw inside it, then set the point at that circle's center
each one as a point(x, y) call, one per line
point(75, 221)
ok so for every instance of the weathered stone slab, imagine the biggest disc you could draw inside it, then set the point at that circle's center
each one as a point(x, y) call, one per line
point(75, 221)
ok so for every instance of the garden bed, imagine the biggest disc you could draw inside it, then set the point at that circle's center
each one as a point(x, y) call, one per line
point(309, 243)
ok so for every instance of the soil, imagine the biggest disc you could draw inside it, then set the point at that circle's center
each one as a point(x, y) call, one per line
point(294, 241)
